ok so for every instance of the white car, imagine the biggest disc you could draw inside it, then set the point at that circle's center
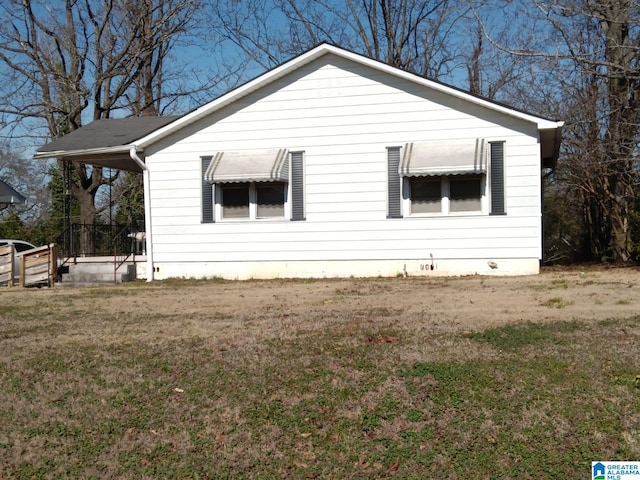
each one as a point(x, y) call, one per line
point(20, 246)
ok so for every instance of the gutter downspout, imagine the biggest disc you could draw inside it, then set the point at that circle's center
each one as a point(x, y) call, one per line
point(147, 210)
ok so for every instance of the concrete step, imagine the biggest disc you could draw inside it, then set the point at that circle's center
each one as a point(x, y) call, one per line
point(95, 273)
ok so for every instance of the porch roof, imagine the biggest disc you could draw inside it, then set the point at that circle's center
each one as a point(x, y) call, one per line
point(104, 142)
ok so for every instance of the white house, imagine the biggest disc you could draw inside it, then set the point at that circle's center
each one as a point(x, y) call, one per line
point(334, 164)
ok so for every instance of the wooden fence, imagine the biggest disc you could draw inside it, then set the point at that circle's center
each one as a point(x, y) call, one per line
point(36, 267)
point(7, 266)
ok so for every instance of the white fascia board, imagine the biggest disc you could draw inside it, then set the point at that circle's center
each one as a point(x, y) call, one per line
point(82, 152)
point(318, 52)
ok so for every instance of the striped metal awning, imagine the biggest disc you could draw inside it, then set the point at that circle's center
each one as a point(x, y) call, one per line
point(457, 157)
point(269, 165)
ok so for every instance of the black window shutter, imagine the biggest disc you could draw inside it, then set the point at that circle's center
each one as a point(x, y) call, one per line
point(394, 192)
point(497, 178)
point(207, 193)
point(297, 186)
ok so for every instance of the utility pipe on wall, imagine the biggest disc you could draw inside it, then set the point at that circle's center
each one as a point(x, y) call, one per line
point(147, 210)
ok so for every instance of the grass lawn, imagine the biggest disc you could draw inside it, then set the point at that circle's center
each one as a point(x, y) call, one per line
point(363, 378)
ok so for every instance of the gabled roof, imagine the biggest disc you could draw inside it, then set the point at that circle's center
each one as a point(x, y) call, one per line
point(9, 196)
point(99, 138)
point(315, 53)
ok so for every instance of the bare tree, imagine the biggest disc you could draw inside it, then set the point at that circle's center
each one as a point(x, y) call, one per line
point(438, 39)
point(601, 165)
point(78, 60)
point(415, 35)
point(28, 178)
point(590, 51)
point(619, 21)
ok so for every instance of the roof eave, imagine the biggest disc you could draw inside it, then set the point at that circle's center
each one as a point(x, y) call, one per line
point(112, 157)
point(550, 140)
point(9, 195)
point(12, 200)
point(70, 154)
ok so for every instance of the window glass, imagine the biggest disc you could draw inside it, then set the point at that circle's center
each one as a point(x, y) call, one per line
point(426, 196)
point(465, 194)
point(22, 247)
point(235, 201)
point(270, 200)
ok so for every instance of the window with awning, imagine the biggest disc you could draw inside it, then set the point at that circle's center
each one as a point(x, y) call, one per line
point(253, 185)
point(445, 177)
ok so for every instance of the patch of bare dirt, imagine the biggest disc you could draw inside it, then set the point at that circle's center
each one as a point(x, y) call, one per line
point(233, 313)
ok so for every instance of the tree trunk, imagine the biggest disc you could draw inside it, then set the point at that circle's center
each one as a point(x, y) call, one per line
point(87, 222)
point(622, 127)
point(90, 180)
point(620, 234)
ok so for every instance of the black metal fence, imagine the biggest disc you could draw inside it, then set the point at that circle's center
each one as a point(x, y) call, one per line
point(80, 240)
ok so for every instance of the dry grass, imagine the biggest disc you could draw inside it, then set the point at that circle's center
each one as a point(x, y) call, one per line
point(378, 378)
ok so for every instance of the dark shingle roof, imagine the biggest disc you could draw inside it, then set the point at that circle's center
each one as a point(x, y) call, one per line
point(112, 132)
point(8, 195)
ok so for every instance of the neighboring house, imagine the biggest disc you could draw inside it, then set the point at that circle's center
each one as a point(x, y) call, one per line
point(334, 164)
point(9, 196)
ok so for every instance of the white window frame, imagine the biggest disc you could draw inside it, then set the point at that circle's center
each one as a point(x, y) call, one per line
point(445, 194)
point(253, 205)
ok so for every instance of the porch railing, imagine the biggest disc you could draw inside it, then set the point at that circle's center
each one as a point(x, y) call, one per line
point(80, 240)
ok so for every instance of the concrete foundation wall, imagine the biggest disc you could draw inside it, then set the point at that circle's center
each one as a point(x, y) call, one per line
point(329, 269)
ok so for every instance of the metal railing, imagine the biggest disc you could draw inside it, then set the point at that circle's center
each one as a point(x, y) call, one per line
point(80, 240)
point(119, 243)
